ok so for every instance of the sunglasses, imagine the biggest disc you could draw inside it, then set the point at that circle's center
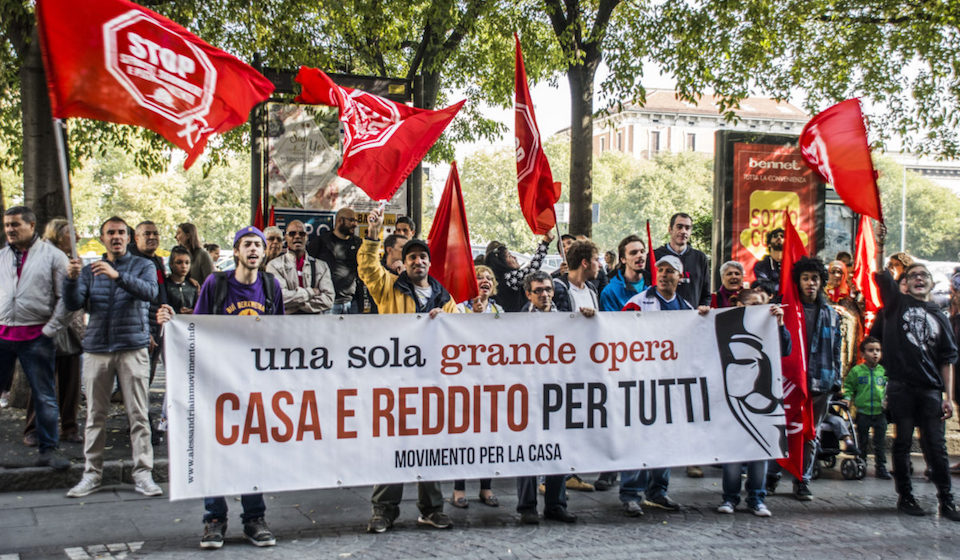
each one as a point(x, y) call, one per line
point(539, 291)
point(297, 233)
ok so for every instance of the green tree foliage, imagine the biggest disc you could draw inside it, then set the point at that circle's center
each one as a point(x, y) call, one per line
point(900, 55)
point(933, 213)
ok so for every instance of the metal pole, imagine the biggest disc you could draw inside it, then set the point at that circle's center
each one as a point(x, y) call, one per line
point(65, 183)
point(903, 212)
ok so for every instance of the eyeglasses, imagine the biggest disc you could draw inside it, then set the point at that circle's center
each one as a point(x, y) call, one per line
point(539, 291)
point(297, 233)
point(918, 276)
point(274, 238)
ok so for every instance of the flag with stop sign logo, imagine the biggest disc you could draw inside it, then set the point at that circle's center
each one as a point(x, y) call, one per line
point(113, 60)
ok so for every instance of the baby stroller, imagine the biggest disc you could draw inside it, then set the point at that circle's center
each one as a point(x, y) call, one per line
point(836, 427)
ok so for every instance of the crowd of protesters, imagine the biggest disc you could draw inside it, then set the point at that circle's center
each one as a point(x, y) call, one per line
point(896, 367)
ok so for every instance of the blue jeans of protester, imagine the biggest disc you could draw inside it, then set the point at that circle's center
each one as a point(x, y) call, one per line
point(37, 357)
point(649, 483)
point(345, 308)
point(216, 508)
point(756, 478)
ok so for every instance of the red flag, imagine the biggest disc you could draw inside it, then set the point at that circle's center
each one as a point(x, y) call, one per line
point(866, 266)
point(834, 145)
point(272, 220)
point(115, 61)
point(258, 217)
point(538, 191)
point(383, 140)
point(650, 264)
point(794, 366)
point(451, 261)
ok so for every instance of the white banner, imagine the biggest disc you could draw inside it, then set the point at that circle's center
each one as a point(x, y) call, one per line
point(283, 403)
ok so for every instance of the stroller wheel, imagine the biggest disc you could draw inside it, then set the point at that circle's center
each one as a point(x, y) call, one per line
point(816, 470)
point(830, 461)
point(850, 470)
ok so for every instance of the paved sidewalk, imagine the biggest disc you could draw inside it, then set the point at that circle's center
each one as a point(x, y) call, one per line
point(847, 519)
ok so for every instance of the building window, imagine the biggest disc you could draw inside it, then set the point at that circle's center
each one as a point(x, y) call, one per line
point(691, 142)
point(620, 141)
point(655, 142)
point(603, 144)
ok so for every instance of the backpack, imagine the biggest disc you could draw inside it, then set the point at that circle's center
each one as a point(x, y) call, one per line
point(220, 290)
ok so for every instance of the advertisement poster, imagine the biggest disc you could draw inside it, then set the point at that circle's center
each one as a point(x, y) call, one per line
point(303, 155)
point(768, 179)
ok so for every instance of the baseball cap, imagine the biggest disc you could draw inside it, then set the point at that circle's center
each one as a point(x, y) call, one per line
point(671, 260)
point(415, 244)
point(249, 230)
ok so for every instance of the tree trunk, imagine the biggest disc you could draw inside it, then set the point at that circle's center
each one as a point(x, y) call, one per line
point(580, 78)
point(42, 190)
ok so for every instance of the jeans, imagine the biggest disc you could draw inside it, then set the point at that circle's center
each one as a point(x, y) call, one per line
point(461, 484)
point(921, 408)
point(37, 357)
point(756, 479)
point(216, 508)
point(345, 308)
point(820, 403)
point(877, 422)
point(554, 496)
point(650, 482)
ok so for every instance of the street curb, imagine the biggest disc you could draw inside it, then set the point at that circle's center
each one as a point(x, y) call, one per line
point(44, 478)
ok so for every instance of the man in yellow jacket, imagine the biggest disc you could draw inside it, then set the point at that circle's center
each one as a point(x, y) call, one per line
point(413, 291)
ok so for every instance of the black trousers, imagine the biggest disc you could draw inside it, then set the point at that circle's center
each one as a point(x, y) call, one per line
point(555, 496)
point(913, 407)
point(878, 423)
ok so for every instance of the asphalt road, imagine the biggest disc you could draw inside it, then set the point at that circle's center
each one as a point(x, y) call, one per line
point(847, 519)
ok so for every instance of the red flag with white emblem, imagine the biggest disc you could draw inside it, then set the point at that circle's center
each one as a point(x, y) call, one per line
point(794, 366)
point(538, 192)
point(113, 60)
point(383, 140)
point(834, 144)
point(451, 260)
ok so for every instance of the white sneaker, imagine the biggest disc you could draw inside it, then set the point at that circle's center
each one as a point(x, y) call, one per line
point(725, 507)
point(760, 510)
point(146, 486)
point(89, 484)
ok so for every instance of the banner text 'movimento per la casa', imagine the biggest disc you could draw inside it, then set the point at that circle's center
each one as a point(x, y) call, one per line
point(283, 403)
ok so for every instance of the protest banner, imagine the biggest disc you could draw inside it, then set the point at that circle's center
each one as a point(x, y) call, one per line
point(263, 404)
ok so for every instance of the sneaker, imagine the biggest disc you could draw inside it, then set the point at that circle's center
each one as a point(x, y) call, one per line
point(760, 510)
point(882, 473)
point(529, 518)
point(725, 507)
point(378, 523)
point(694, 472)
point(908, 504)
point(54, 459)
point(213, 532)
point(145, 485)
point(576, 483)
point(663, 502)
point(604, 482)
point(949, 510)
point(89, 484)
point(437, 520)
point(632, 509)
point(801, 491)
point(772, 481)
point(258, 533)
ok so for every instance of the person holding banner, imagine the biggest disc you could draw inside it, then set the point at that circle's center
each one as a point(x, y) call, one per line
point(651, 484)
point(244, 291)
point(538, 286)
point(413, 291)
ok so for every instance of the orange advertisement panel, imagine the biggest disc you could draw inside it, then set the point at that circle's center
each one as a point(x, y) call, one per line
point(768, 179)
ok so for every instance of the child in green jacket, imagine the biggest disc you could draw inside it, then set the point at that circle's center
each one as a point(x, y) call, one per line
point(865, 386)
